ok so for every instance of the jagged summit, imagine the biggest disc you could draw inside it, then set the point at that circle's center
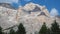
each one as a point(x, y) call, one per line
point(31, 6)
point(34, 9)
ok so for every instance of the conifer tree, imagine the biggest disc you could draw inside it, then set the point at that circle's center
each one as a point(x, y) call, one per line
point(43, 29)
point(21, 29)
point(1, 30)
point(48, 31)
point(55, 28)
point(12, 31)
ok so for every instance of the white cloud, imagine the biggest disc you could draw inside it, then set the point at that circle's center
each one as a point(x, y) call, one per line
point(8, 1)
point(54, 12)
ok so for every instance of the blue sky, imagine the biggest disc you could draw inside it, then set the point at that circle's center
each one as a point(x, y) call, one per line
point(50, 4)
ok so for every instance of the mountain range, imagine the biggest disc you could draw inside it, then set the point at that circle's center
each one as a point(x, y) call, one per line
point(31, 15)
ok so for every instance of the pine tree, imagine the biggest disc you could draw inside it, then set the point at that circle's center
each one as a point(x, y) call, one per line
point(55, 28)
point(48, 31)
point(43, 29)
point(12, 31)
point(1, 30)
point(21, 29)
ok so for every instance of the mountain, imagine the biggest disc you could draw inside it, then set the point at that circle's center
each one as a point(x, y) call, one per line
point(7, 13)
point(31, 15)
point(37, 16)
point(34, 10)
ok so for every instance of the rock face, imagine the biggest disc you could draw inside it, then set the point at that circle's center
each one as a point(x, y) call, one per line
point(34, 11)
point(7, 17)
point(31, 15)
point(37, 16)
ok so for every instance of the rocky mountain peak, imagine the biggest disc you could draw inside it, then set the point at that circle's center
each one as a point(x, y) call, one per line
point(35, 9)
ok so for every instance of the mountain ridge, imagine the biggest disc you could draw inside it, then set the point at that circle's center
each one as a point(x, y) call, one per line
point(7, 5)
point(32, 21)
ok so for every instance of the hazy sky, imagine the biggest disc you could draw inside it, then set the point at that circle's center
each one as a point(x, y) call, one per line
point(8, 1)
point(52, 5)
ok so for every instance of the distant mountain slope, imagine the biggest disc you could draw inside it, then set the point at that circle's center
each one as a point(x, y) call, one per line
point(7, 5)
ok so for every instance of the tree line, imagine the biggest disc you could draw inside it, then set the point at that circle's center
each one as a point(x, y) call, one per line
point(54, 29)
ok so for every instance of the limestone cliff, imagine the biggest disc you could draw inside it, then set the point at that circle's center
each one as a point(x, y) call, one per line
point(31, 15)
